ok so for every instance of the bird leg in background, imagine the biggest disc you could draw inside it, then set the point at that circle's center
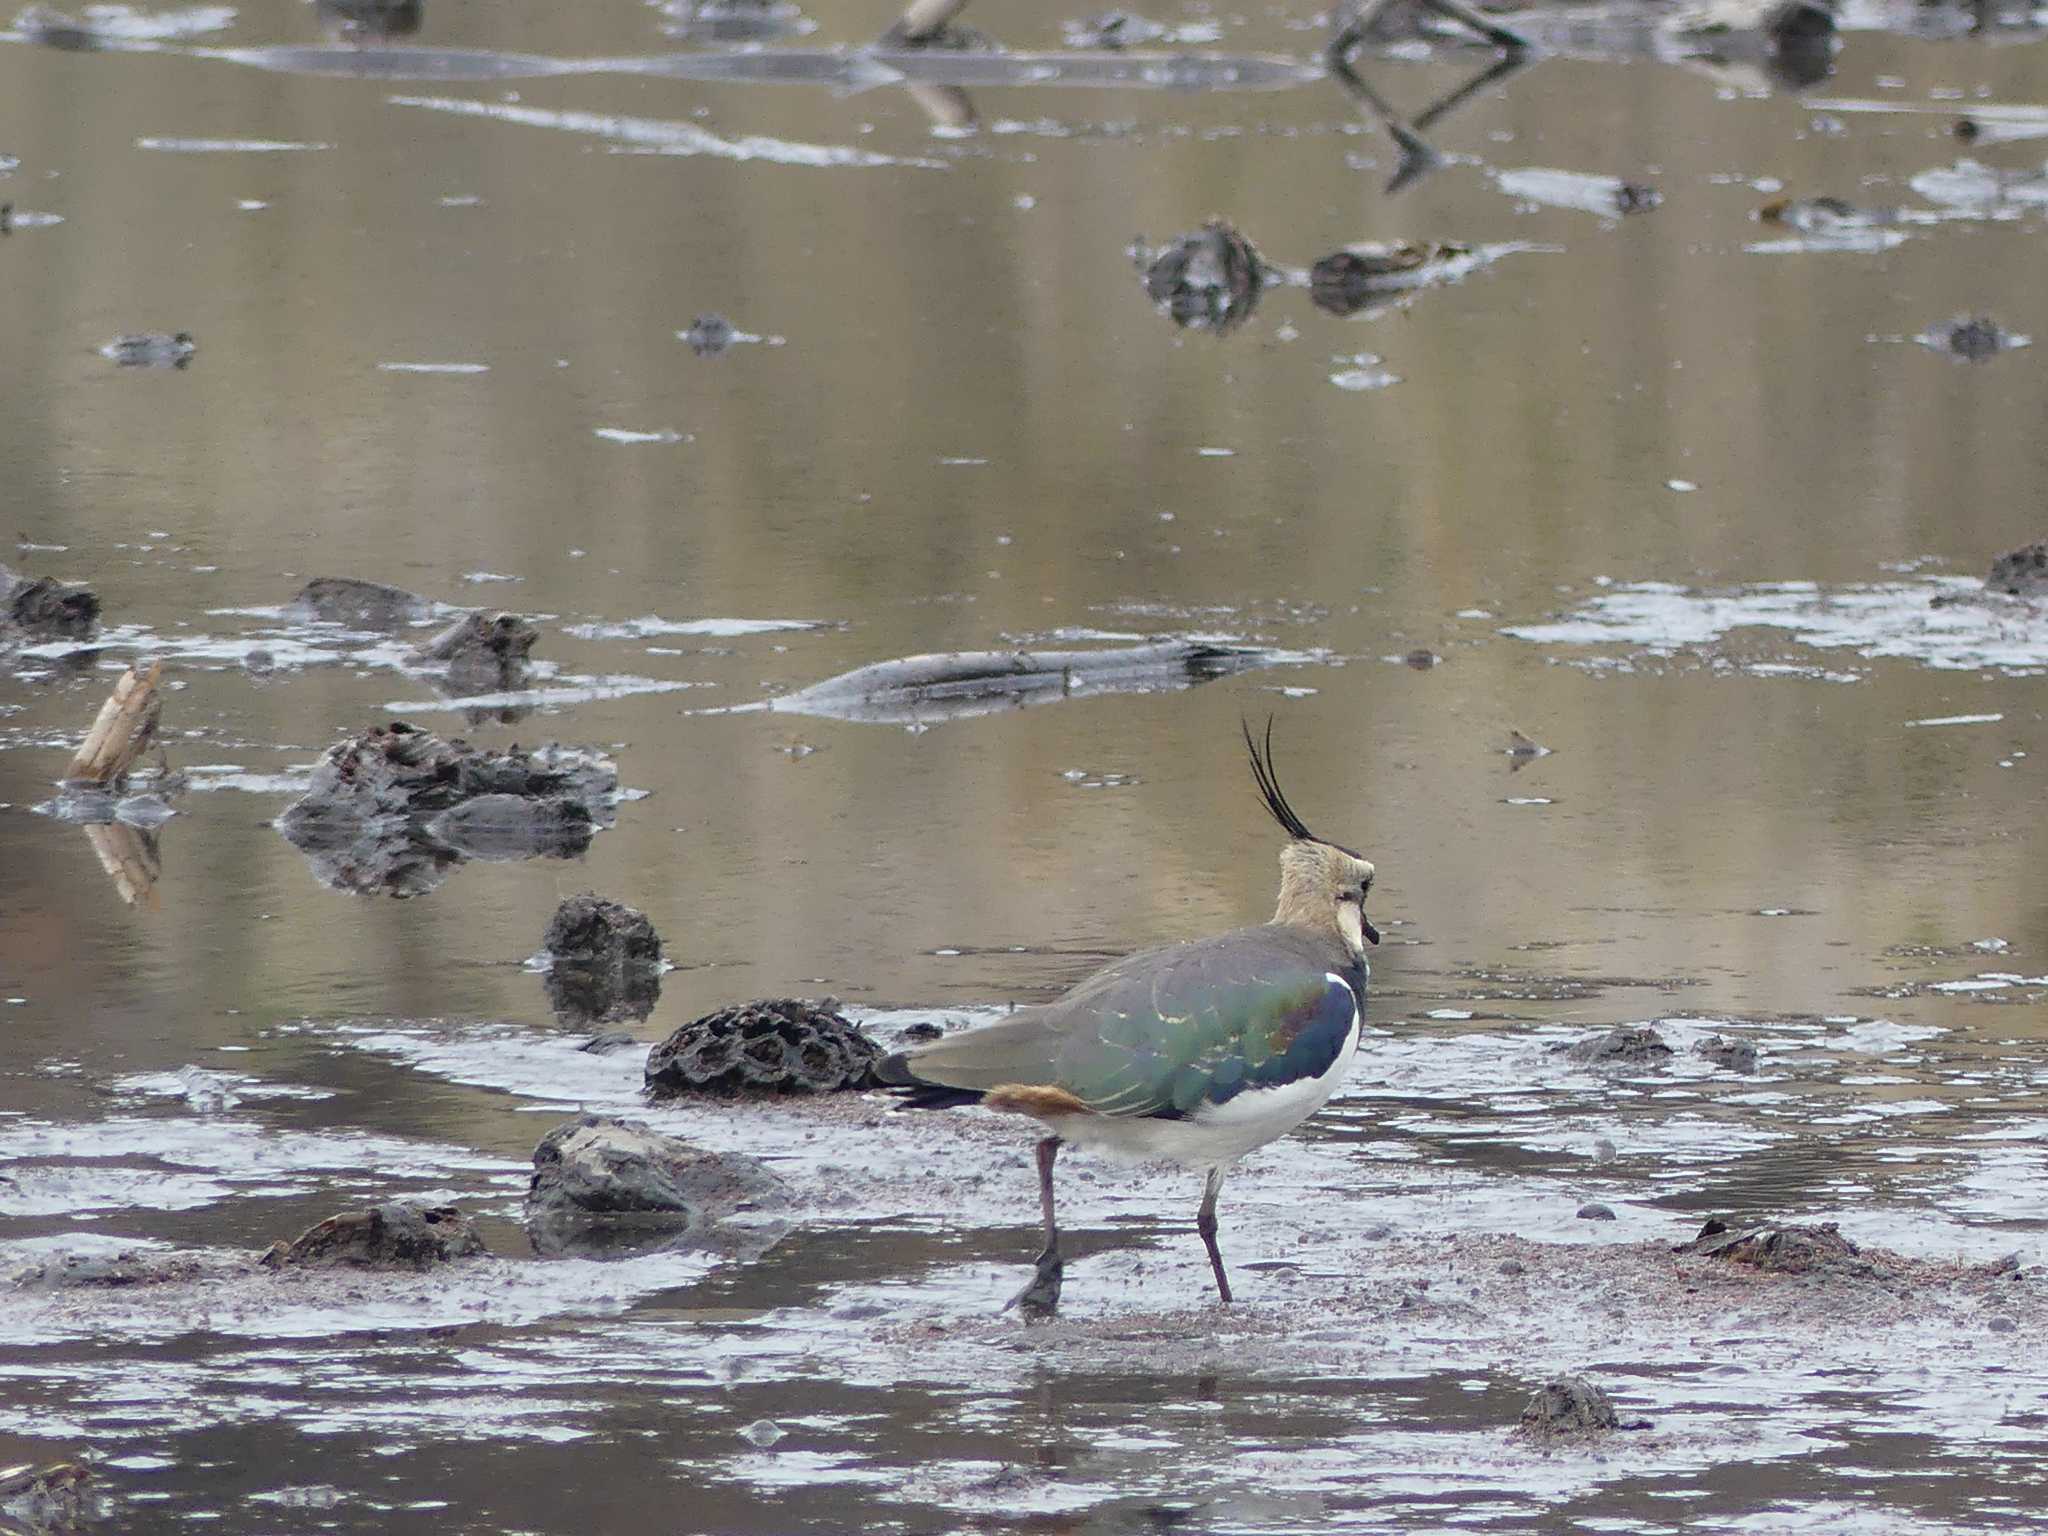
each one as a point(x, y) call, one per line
point(1205, 1223)
point(1039, 1300)
point(1418, 158)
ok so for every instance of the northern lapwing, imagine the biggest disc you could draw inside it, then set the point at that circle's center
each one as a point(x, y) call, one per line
point(1193, 1053)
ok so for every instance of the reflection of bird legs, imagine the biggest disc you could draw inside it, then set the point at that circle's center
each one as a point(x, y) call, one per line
point(1355, 27)
point(1418, 159)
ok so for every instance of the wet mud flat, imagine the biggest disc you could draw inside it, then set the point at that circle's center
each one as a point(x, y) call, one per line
point(848, 1354)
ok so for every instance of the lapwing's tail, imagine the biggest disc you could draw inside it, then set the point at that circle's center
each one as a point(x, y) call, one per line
point(913, 1092)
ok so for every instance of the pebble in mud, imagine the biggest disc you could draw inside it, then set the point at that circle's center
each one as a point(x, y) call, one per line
point(776, 1045)
point(482, 651)
point(45, 609)
point(389, 1236)
point(151, 349)
point(1595, 1211)
point(1206, 280)
point(1567, 1407)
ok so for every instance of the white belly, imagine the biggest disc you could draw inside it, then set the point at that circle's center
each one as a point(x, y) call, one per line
point(1215, 1134)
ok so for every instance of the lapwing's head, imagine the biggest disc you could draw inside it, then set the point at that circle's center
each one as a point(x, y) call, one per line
point(1323, 885)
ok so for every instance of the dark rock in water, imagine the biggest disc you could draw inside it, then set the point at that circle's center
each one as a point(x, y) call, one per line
point(43, 609)
point(709, 335)
point(1636, 1047)
point(389, 1236)
point(394, 809)
point(1784, 1249)
point(604, 962)
point(151, 349)
point(2022, 573)
point(1565, 1407)
point(103, 1270)
point(588, 930)
point(370, 18)
point(1973, 338)
point(53, 29)
point(359, 604)
point(920, 1033)
point(778, 1045)
point(1595, 1212)
point(598, 1168)
point(1729, 1055)
point(1207, 280)
point(611, 1040)
point(482, 642)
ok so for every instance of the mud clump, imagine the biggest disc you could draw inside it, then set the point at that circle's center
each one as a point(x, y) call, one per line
point(2021, 573)
point(1637, 1047)
point(1207, 280)
point(38, 608)
point(103, 1271)
point(483, 652)
point(389, 1236)
point(1782, 1249)
point(604, 962)
point(777, 1045)
point(1636, 197)
point(395, 809)
point(151, 349)
point(1375, 273)
point(359, 604)
point(1567, 1408)
point(1729, 1055)
point(597, 1168)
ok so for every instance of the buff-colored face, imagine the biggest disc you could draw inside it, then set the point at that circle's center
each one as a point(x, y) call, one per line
point(1321, 883)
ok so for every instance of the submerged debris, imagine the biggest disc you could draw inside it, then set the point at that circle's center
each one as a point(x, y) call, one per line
point(2021, 573)
point(388, 1236)
point(1783, 1249)
point(1207, 280)
point(359, 604)
point(923, 690)
point(35, 607)
point(151, 349)
point(1567, 1407)
point(777, 1045)
point(603, 962)
point(1973, 338)
point(1635, 1046)
point(1824, 215)
point(395, 809)
point(103, 1270)
point(597, 1168)
point(1729, 1055)
point(1608, 196)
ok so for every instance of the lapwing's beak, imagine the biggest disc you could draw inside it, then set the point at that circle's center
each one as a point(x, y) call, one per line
point(1372, 934)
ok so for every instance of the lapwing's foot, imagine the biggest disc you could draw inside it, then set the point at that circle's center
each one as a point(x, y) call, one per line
point(1039, 1302)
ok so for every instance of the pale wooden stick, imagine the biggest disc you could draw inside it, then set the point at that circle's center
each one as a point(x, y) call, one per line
point(123, 729)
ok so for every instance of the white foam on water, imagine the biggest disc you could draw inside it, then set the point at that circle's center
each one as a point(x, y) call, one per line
point(651, 625)
point(181, 146)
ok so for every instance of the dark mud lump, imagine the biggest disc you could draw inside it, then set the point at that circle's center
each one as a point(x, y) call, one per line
point(2022, 573)
point(45, 609)
point(777, 1045)
point(1208, 279)
point(599, 1168)
point(1567, 1407)
point(389, 1236)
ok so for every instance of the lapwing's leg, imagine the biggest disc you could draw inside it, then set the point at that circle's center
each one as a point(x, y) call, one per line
point(1041, 1298)
point(1205, 1223)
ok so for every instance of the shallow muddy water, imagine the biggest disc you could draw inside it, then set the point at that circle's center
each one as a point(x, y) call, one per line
point(1681, 493)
